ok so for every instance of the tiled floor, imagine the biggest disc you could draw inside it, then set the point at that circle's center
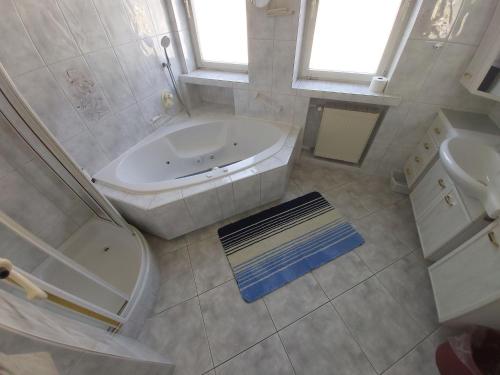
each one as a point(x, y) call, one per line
point(370, 311)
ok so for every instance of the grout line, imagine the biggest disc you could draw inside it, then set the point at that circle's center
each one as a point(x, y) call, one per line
point(353, 337)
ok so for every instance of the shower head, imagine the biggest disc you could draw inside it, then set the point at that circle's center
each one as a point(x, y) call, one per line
point(165, 41)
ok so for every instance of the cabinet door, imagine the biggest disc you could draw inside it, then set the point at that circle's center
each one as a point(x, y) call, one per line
point(468, 278)
point(435, 182)
point(442, 220)
point(427, 148)
point(438, 131)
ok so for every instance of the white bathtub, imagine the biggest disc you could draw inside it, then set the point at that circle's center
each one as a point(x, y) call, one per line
point(199, 172)
point(193, 152)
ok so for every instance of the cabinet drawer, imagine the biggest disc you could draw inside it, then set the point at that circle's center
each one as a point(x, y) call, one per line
point(427, 149)
point(438, 131)
point(467, 278)
point(445, 217)
point(435, 182)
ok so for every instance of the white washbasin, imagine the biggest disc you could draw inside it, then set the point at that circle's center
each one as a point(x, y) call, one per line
point(475, 167)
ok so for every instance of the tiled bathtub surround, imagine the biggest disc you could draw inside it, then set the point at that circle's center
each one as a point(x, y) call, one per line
point(175, 212)
point(90, 69)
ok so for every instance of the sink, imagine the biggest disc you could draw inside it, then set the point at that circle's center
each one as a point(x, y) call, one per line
point(475, 167)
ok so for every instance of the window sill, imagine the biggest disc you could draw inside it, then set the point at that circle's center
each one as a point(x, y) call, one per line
point(215, 78)
point(352, 92)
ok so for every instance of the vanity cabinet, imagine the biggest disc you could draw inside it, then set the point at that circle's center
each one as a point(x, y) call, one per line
point(466, 282)
point(444, 216)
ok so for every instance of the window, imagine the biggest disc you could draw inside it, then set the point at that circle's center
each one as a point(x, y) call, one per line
point(219, 33)
point(352, 40)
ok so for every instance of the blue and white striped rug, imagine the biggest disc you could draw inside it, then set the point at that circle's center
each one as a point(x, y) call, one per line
point(274, 247)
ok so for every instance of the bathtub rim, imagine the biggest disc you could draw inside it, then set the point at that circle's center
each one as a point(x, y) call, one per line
point(107, 176)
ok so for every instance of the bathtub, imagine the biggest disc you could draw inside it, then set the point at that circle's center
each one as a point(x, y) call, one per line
point(193, 152)
point(199, 172)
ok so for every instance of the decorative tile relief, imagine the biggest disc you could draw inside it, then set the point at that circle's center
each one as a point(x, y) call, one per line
point(108, 72)
point(472, 21)
point(17, 52)
point(84, 24)
point(285, 27)
point(47, 28)
point(75, 78)
point(436, 19)
point(139, 15)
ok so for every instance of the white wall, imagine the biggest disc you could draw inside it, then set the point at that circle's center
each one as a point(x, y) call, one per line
point(90, 69)
point(426, 76)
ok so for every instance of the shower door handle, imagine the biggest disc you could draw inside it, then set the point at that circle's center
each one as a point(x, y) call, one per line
point(8, 272)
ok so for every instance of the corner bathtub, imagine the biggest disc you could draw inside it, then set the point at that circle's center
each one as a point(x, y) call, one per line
point(198, 172)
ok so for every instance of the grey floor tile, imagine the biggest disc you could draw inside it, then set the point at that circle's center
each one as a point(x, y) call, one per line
point(347, 202)
point(266, 358)
point(178, 333)
point(176, 279)
point(210, 265)
point(379, 323)
point(381, 246)
point(160, 245)
point(421, 360)
point(310, 176)
point(232, 324)
point(374, 192)
point(320, 344)
point(210, 231)
point(341, 274)
point(400, 217)
point(294, 300)
point(408, 282)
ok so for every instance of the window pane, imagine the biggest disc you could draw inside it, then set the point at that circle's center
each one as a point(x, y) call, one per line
point(221, 27)
point(351, 35)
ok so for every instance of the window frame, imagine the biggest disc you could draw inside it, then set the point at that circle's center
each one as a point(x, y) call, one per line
point(391, 47)
point(200, 62)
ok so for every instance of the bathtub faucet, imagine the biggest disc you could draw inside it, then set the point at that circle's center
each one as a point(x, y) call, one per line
point(165, 42)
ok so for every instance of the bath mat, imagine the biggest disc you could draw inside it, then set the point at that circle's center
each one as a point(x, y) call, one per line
point(274, 247)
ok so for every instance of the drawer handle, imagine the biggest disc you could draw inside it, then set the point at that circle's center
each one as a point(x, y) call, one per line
point(441, 183)
point(448, 200)
point(437, 131)
point(417, 159)
point(493, 239)
point(427, 146)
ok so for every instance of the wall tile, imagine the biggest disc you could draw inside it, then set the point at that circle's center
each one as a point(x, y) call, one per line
point(246, 187)
point(416, 123)
point(17, 53)
point(260, 64)
point(300, 109)
point(116, 22)
point(283, 59)
point(74, 77)
point(241, 98)
point(109, 74)
point(141, 67)
point(112, 134)
point(415, 63)
point(203, 207)
point(472, 21)
point(159, 13)
point(443, 78)
point(286, 27)
point(43, 94)
point(259, 25)
point(285, 111)
point(85, 25)
point(260, 105)
point(87, 153)
point(23, 203)
point(48, 29)
point(140, 17)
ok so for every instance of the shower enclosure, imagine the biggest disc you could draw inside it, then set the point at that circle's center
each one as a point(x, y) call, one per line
point(60, 233)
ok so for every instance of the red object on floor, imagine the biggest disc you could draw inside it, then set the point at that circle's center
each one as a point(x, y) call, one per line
point(448, 362)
